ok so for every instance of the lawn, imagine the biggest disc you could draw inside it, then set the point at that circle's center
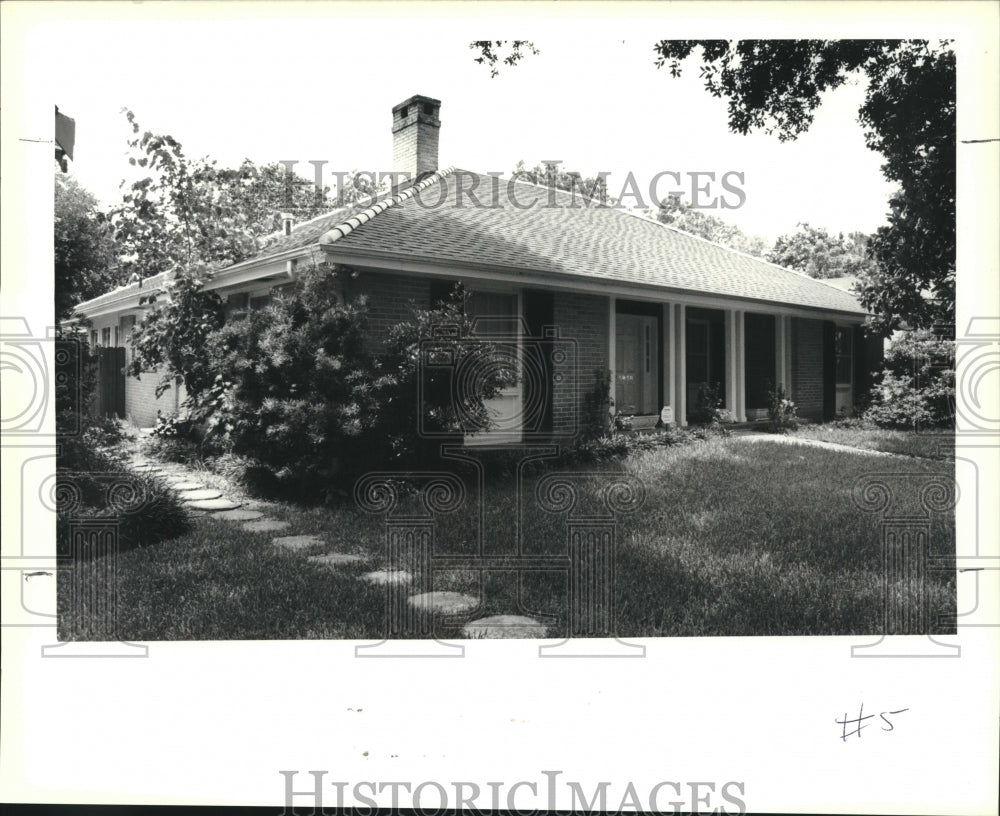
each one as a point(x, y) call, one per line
point(929, 444)
point(736, 537)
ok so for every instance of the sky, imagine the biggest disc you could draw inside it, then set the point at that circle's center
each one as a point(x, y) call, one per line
point(318, 83)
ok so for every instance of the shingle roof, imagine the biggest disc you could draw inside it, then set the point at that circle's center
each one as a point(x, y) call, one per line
point(527, 227)
point(573, 240)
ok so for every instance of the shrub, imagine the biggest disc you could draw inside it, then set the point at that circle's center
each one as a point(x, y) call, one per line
point(782, 412)
point(708, 410)
point(917, 384)
point(172, 337)
point(297, 398)
point(421, 406)
point(597, 405)
point(291, 386)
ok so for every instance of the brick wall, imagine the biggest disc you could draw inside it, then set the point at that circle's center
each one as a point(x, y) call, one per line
point(582, 318)
point(807, 367)
point(141, 403)
point(391, 299)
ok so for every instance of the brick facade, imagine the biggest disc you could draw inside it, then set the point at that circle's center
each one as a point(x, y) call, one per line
point(391, 300)
point(584, 320)
point(807, 367)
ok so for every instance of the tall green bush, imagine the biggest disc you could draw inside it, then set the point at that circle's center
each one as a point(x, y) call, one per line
point(292, 384)
point(917, 384)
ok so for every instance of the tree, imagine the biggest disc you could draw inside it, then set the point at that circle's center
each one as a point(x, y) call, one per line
point(684, 216)
point(817, 253)
point(172, 336)
point(917, 386)
point(592, 190)
point(909, 117)
point(492, 51)
point(84, 250)
point(187, 211)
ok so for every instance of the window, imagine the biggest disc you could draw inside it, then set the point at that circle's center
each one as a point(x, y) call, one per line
point(106, 337)
point(845, 355)
point(494, 313)
point(93, 339)
point(116, 337)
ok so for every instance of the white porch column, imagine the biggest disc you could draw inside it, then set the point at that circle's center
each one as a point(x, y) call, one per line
point(732, 386)
point(612, 353)
point(740, 365)
point(667, 346)
point(680, 364)
point(781, 372)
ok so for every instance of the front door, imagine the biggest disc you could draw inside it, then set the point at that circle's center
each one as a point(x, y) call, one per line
point(636, 364)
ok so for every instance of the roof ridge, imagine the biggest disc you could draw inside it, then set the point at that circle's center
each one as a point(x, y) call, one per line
point(366, 215)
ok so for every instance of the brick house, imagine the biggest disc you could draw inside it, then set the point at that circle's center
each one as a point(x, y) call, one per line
point(578, 290)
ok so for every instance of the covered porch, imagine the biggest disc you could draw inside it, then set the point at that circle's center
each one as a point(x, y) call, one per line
point(664, 354)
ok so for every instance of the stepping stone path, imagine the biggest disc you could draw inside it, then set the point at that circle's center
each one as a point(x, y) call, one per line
point(209, 502)
point(181, 486)
point(196, 494)
point(265, 526)
point(336, 559)
point(238, 515)
point(296, 542)
point(213, 504)
point(388, 577)
point(448, 603)
point(504, 626)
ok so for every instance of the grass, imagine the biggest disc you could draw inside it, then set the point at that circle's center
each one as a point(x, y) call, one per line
point(736, 537)
point(930, 444)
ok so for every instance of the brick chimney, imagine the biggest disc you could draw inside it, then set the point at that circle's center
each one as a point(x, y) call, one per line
point(415, 128)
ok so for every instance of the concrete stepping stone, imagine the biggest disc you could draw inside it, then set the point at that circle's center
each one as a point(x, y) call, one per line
point(238, 515)
point(447, 603)
point(336, 559)
point(213, 504)
point(388, 577)
point(265, 526)
point(181, 486)
point(297, 542)
point(197, 493)
point(504, 626)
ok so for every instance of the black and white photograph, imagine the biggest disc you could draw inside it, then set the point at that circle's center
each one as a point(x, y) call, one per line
point(341, 333)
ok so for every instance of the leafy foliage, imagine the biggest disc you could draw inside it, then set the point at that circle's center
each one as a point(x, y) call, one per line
point(781, 411)
point(294, 390)
point(709, 411)
point(290, 384)
point(909, 117)
point(84, 248)
point(507, 52)
point(172, 336)
point(682, 215)
point(414, 396)
point(597, 405)
point(185, 211)
point(917, 386)
point(91, 459)
point(591, 189)
point(820, 255)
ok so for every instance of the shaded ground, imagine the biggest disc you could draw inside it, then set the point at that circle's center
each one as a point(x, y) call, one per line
point(736, 537)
